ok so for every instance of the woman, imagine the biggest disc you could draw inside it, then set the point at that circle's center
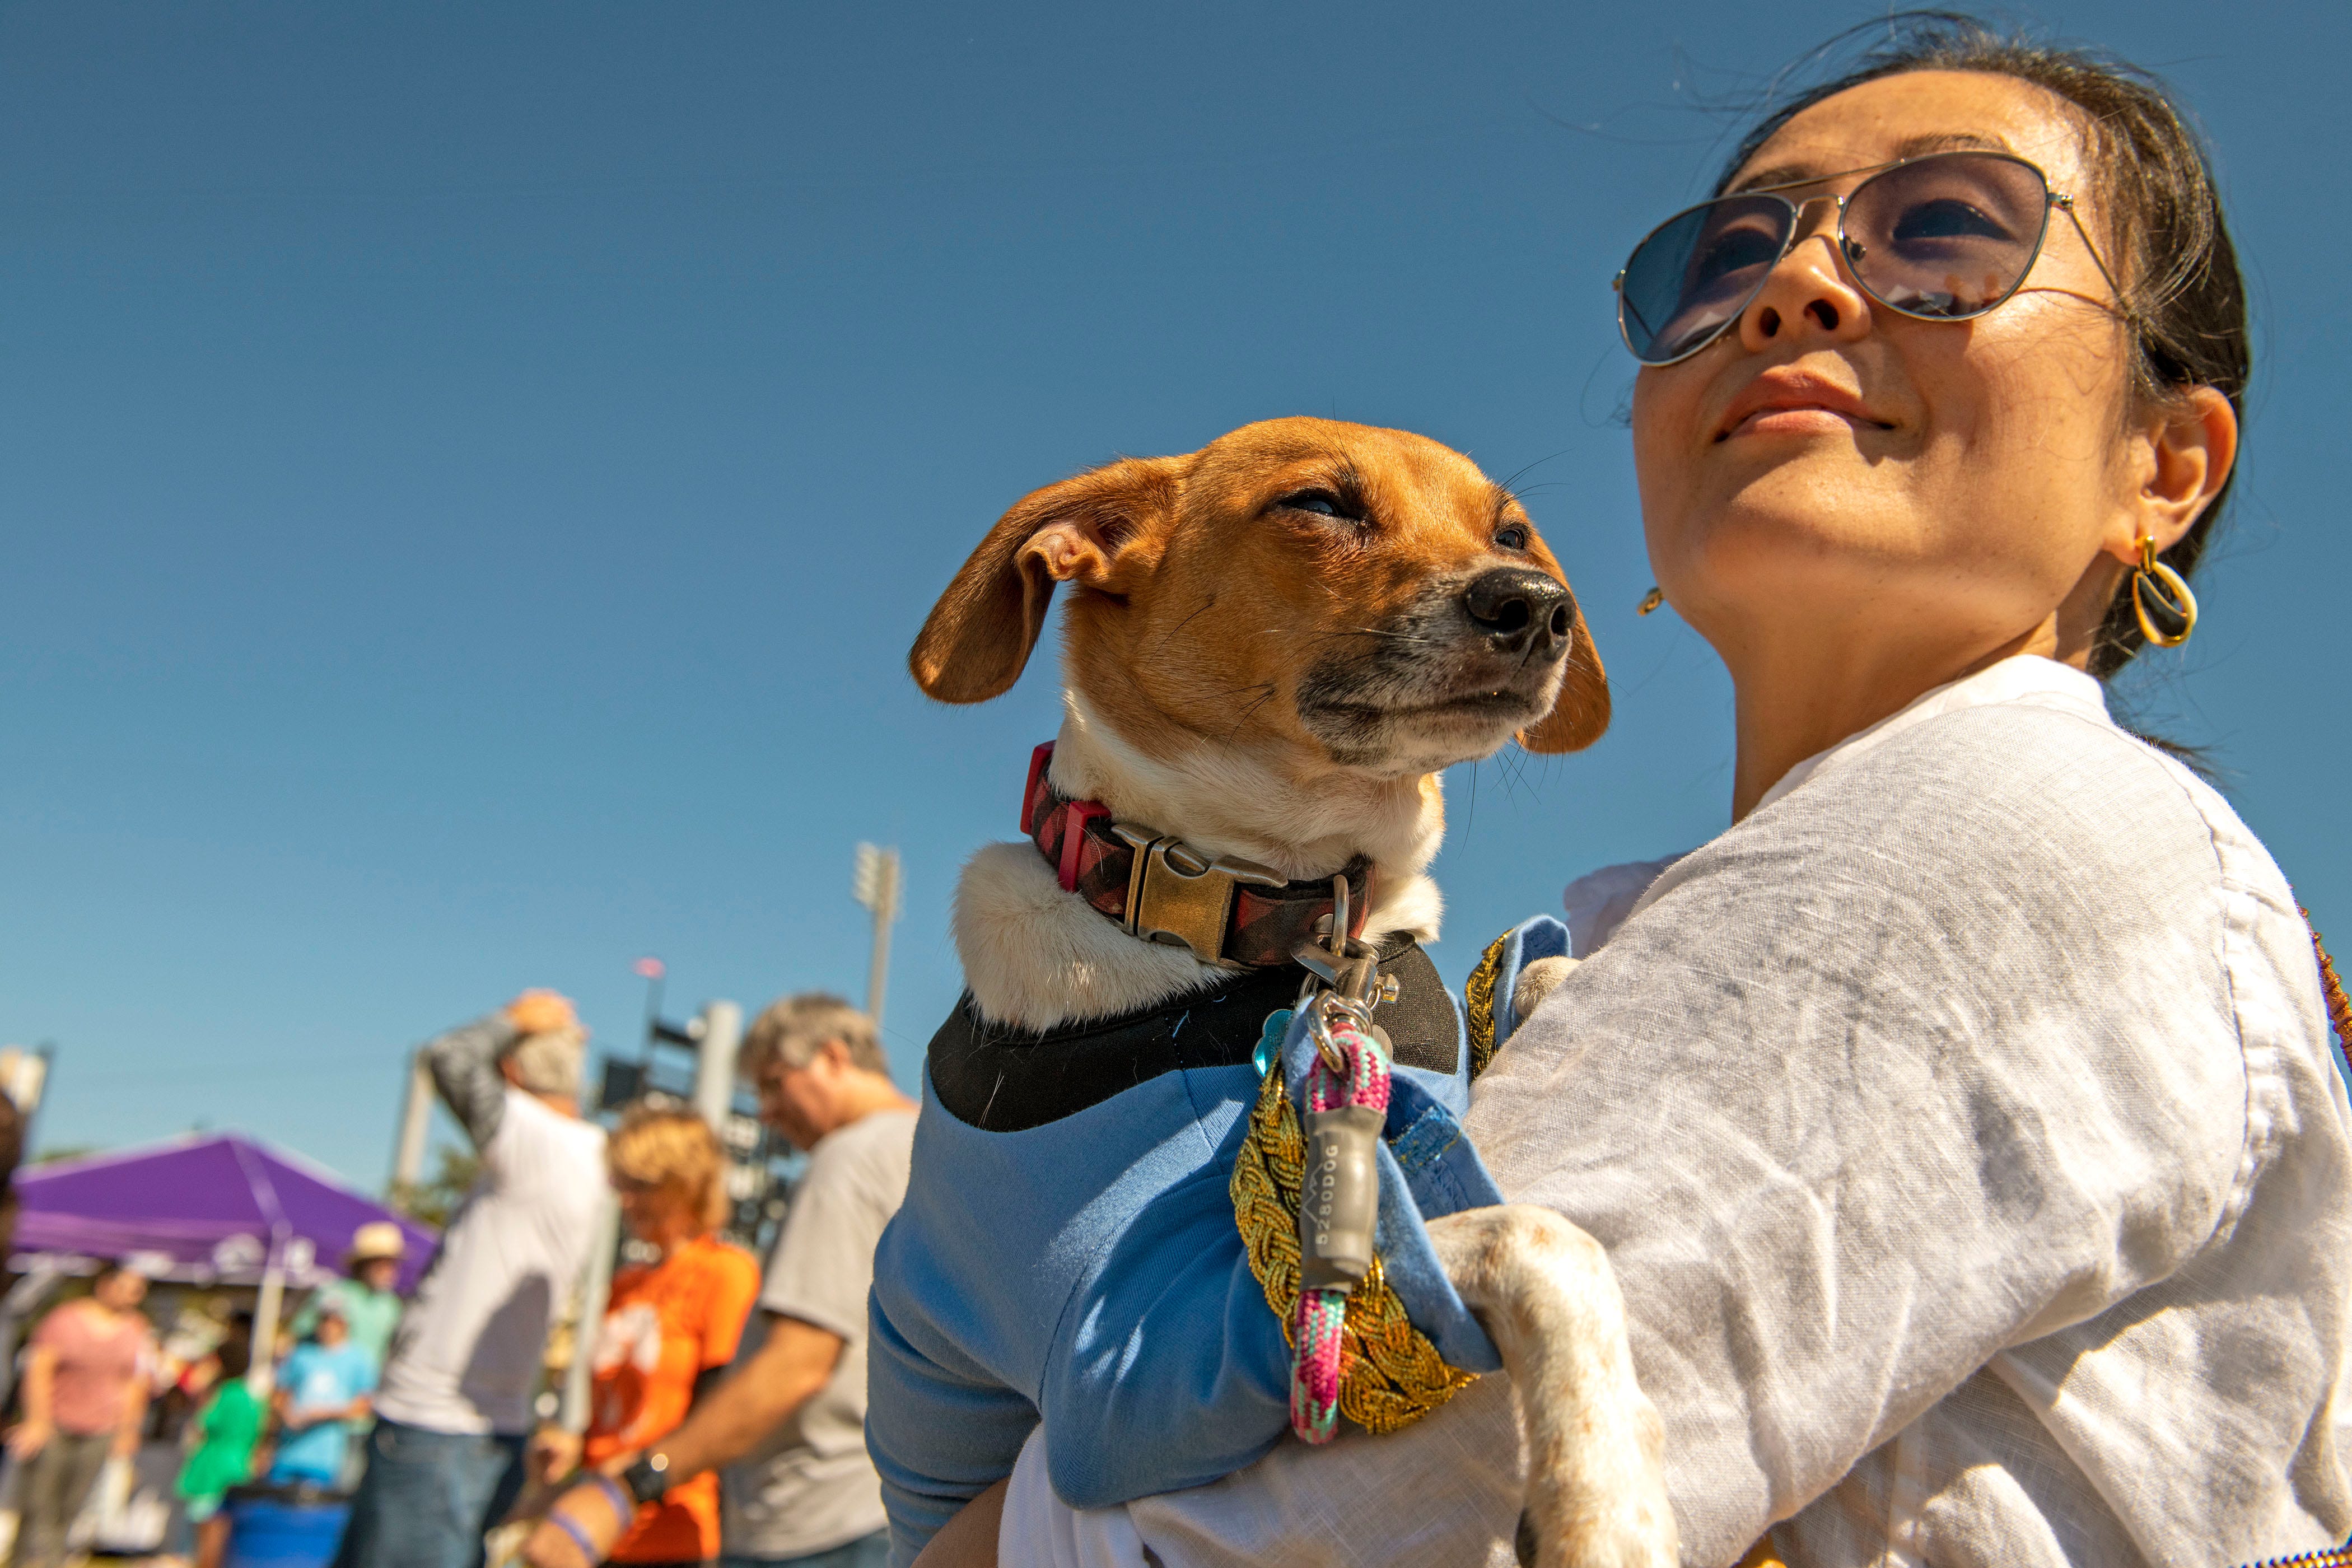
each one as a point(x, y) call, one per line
point(669, 1328)
point(1961, 1124)
point(86, 1388)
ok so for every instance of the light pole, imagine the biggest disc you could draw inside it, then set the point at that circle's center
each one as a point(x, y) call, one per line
point(876, 886)
point(415, 1119)
point(714, 1062)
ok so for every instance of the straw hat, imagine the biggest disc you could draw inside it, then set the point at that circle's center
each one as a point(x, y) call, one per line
point(377, 1238)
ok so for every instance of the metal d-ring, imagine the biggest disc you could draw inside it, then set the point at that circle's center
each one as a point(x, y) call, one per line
point(1318, 1024)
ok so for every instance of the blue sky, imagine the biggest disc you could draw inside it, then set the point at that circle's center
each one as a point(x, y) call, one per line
point(469, 475)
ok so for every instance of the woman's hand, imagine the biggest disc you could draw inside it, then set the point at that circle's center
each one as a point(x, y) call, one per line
point(554, 1454)
point(588, 1508)
point(29, 1439)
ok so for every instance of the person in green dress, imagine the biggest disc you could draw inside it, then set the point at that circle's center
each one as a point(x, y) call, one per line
point(228, 1426)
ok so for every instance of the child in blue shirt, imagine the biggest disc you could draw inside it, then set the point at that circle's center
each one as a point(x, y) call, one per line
point(323, 1386)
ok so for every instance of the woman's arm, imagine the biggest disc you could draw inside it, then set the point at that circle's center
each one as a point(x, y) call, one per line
point(791, 1367)
point(968, 1540)
point(128, 1430)
point(33, 1433)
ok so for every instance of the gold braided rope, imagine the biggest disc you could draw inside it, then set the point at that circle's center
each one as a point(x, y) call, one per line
point(1479, 997)
point(2339, 1010)
point(1390, 1375)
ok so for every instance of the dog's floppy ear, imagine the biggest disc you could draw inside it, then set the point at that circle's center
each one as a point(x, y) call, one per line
point(1580, 712)
point(979, 634)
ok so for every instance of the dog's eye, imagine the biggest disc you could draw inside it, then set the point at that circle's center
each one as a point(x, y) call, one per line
point(1322, 503)
point(1511, 538)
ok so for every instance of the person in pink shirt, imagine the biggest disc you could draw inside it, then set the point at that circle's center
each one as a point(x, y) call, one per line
point(86, 1387)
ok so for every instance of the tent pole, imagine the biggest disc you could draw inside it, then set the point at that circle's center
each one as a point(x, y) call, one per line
point(264, 1371)
point(595, 1294)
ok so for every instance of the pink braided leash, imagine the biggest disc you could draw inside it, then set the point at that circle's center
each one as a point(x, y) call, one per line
point(1315, 1342)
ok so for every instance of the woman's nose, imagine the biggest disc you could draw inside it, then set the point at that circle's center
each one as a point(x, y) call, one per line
point(1808, 294)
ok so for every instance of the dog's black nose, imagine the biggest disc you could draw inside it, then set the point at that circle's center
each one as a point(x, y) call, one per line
point(1516, 608)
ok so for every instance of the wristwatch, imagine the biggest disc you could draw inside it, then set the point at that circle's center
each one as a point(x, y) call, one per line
point(648, 1478)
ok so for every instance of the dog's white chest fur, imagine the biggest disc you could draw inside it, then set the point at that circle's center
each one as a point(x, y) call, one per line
point(1035, 956)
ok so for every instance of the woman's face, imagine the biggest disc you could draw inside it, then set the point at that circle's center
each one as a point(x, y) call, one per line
point(660, 1213)
point(122, 1291)
point(1827, 460)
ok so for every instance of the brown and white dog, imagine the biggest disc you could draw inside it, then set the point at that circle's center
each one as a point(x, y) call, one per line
point(1274, 647)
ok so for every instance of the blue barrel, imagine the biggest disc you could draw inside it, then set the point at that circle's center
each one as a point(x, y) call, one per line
point(272, 1532)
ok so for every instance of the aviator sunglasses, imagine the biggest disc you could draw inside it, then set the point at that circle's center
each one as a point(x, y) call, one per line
point(1942, 238)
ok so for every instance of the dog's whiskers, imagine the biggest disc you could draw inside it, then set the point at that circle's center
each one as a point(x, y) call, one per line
point(1250, 712)
point(1171, 633)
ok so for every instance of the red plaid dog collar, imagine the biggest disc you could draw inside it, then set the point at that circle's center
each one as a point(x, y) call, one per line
point(1232, 912)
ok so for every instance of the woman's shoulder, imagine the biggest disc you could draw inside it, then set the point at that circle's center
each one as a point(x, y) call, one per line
point(2033, 779)
point(2049, 842)
point(707, 1264)
point(2011, 785)
point(75, 1321)
point(2025, 843)
point(727, 1262)
point(232, 1400)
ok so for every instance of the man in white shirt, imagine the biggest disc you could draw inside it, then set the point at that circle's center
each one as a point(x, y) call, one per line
point(445, 1460)
point(790, 1419)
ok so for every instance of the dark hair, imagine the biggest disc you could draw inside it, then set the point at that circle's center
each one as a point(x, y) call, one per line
point(2165, 235)
point(235, 1352)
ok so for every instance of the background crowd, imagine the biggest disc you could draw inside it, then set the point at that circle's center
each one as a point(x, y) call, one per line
point(414, 1433)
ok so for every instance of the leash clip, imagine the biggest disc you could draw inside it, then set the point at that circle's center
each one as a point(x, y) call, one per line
point(1349, 967)
point(1351, 985)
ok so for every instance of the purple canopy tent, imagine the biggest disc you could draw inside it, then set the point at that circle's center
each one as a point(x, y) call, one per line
point(206, 1208)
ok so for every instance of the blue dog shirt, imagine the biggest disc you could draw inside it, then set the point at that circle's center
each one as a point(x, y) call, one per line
point(1067, 1250)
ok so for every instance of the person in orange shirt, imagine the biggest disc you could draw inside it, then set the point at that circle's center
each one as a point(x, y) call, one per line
point(670, 1328)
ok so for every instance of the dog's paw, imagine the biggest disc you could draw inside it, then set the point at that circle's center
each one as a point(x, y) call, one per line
point(1539, 979)
point(1636, 1537)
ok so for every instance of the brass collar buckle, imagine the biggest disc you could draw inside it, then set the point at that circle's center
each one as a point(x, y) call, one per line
point(1179, 895)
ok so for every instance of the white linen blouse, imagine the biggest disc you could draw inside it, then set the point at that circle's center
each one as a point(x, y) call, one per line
point(1964, 1129)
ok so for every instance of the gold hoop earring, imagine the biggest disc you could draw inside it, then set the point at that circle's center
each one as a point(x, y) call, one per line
point(1650, 601)
point(2166, 608)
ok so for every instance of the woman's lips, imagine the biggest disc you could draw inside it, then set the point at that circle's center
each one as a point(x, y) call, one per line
point(1805, 420)
point(1779, 403)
